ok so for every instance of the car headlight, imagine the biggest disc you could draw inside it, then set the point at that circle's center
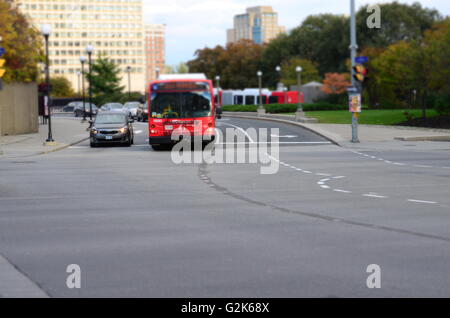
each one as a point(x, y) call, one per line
point(94, 131)
point(123, 130)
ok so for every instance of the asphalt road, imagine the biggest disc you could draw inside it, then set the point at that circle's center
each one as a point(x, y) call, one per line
point(140, 225)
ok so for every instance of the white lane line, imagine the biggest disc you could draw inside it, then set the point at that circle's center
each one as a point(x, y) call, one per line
point(138, 132)
point(422, 166)
point(343, 191)
point(374, 196)
point(323, 174)
point(241, 129)
point(338, 177)
point(324, 186)
point(422, 201)
point(277, 143)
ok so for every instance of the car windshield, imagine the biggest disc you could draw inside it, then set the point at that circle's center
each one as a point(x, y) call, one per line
point(110, 119)
point(116, 106)
point(181, 104)
point(132, 105)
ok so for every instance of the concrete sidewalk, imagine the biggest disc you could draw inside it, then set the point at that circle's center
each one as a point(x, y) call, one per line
point(369, 135)
point(66, 132)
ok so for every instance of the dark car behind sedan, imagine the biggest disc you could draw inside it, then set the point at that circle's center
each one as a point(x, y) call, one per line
point(112, 127)
point(142, 112)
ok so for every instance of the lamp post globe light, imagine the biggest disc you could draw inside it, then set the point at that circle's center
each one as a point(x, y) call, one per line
point(299, 114)
point(82, 61)
point(46, 31)
point(261, 109)
point(157, 72)
point(89, 51)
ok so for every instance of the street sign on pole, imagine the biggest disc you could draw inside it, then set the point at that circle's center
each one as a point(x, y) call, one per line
point(362, 59)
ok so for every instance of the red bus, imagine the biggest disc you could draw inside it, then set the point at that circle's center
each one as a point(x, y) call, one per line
point(180, 101)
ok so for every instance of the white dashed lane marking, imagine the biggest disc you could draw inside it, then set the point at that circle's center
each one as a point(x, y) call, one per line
point(422, 201)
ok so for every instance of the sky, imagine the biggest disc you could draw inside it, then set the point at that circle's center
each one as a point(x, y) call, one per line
point(196, 24)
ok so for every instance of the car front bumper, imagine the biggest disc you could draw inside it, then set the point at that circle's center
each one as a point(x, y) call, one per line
point(116, 138)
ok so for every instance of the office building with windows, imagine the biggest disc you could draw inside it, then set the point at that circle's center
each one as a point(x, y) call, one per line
point(154, 49)
point(259, 24)
point(114, 27)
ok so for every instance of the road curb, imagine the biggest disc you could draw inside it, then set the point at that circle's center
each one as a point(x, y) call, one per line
point(424, 138)
point(60, 148)
point(319, 132)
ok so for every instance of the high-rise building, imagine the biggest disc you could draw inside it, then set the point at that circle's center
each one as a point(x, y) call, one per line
point(154, 49)
point(259, 24)
point(114, 27)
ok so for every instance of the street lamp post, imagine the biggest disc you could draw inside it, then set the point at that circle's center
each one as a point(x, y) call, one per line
point(261, 109)
point(129, 82)
point(299, 114)
point(157, 72)
point(279, 84)
point(218, 89)
point(89, 51)
point(219, 100)
point(353, 49)
point(46, 31)
point(83, 60)
point(79, 82)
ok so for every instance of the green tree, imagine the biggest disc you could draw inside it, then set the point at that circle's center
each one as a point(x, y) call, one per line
point(399, 22)
point(403, 68)
point(105, 81)
point(61, 87)
point(322, 39)
point(207, 61)
point(237, 63)
point(181, 68)
point(289, 75)
point(23, 44)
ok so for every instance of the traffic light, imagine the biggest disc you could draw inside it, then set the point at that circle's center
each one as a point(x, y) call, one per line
point(2, 70)
point(360, 73)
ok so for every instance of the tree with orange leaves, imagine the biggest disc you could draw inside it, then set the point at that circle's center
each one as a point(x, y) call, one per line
point(336, 83)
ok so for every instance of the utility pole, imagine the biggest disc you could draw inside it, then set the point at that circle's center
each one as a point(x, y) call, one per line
point(353, 50)
point(261, 109)
point(89, 50)
point(129, 83)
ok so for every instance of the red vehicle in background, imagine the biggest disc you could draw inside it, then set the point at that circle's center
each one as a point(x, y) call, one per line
point(177, 103)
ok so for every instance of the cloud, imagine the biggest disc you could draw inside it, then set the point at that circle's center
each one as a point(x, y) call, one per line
point(194, 24)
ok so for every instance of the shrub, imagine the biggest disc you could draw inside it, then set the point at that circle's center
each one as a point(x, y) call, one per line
point(285, 108)
point(442, 105)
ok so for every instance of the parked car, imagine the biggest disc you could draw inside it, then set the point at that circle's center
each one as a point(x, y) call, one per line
point(142, 112)
point(132, 108)
point(113, 107)
point(112, 127)
point(69, 108)
point(79, 109)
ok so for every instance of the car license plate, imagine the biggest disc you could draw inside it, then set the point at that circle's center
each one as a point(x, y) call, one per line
point(169, 127)
point(108, 137)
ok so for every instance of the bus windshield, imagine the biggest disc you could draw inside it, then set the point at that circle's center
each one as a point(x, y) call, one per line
point(181, 104)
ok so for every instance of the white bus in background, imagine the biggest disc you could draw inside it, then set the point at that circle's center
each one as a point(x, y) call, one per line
point(248, 96)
